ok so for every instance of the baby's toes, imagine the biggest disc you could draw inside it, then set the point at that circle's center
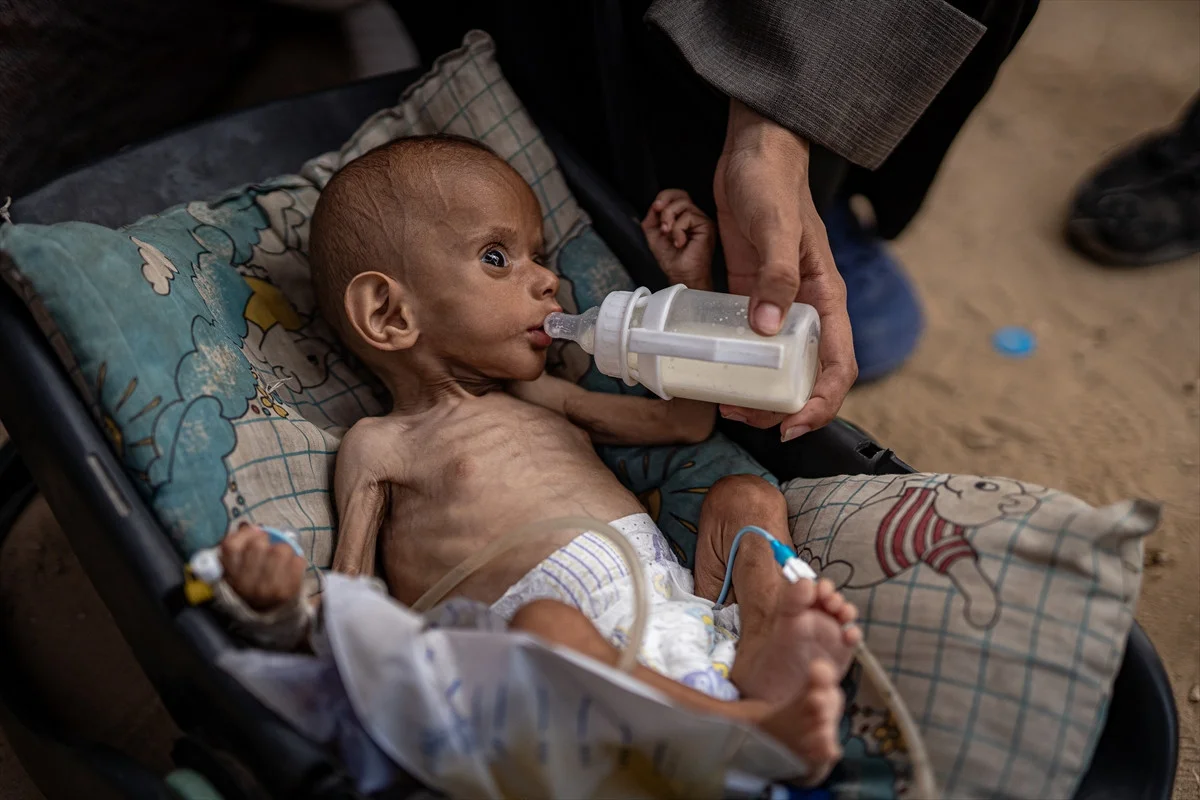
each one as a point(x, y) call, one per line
point(821, 748)
point(822, 714)
point(824, 705)
point(825, 592)
point(796, 598)
point(845, 613)
point(821, 677)
point(832, 602)
point(851, 635)
point(833, 605)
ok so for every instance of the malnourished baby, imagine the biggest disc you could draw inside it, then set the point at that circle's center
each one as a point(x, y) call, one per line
point(427, 260)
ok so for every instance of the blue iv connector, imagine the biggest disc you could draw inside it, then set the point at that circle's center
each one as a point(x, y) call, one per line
point(794, 569)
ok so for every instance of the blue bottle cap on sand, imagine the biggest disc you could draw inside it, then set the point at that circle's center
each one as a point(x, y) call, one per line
point(1014, 342)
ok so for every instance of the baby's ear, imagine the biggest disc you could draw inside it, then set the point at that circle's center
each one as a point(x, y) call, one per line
point(380, 312)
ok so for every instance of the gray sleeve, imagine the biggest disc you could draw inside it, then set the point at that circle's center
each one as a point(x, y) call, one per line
point(852, 75)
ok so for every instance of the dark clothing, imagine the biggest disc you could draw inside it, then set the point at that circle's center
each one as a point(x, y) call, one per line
point(622, 93)
point(897, 189)
point(81, 78)
point(851, 75)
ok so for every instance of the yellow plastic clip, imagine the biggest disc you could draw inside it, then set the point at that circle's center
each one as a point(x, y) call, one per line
point(195, 590)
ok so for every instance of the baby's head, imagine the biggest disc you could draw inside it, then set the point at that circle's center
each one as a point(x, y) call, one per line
point(430, 248)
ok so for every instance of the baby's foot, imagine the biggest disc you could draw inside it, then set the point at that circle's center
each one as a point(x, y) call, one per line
point(808, 723)
point(812, 622)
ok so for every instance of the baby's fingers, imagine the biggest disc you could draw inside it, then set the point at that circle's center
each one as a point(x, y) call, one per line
point(651, 222)
point(691, 224)
point(673, 210)
point(666, 197)
point(236, 545)
point(283, 572)
point(242, 536)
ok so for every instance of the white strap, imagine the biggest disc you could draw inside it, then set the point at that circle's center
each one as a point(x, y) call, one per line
point(706, 348)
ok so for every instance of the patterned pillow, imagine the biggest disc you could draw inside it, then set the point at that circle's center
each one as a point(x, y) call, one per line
point(220, 391)
point(1001, 610)
point(194, 337)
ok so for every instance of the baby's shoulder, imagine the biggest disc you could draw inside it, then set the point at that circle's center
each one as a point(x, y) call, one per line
point(373, 434)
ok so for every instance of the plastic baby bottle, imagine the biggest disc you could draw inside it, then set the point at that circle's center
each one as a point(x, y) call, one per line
point(682, 342)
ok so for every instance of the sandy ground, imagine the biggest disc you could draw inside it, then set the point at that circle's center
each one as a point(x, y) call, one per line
point(1108, 407)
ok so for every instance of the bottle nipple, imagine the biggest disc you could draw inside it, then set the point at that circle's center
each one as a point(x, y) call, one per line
point(578, 328)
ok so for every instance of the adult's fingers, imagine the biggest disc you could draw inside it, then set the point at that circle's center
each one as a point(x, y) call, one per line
point(839, 370)
point(837, 374)
point(825, 290)
point(830, 390)
point(751, 416)
point(776, 240)
point(822, 407)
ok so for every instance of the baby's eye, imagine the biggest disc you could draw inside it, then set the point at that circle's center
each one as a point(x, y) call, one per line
point(495, 258)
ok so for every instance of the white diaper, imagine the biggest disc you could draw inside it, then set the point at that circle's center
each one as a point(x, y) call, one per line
point(686, 638)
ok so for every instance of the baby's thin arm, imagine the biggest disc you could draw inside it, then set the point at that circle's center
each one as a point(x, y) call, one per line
point(621, 419)
point(361, 501)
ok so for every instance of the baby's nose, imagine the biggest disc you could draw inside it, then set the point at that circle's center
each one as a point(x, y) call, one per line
point(546, 283)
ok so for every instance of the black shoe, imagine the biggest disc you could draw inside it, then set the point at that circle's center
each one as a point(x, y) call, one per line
point(1143, 205)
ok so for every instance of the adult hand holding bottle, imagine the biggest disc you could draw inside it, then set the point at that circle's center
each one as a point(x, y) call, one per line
point(776, 251)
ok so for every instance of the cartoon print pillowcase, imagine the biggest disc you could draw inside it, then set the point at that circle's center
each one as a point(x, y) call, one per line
point(1000, 608)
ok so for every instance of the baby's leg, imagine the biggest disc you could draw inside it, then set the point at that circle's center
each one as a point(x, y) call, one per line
point(806, 722)
point(786, 629)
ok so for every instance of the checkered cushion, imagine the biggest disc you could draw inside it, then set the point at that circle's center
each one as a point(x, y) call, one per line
point(1001, 610)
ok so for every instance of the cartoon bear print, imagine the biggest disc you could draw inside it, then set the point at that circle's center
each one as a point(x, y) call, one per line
point(914, 522)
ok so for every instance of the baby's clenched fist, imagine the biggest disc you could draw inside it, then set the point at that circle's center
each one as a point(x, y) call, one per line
point(681, 238)
point(266, 576)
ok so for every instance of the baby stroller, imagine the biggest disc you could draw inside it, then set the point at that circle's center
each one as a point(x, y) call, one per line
point(57, 448)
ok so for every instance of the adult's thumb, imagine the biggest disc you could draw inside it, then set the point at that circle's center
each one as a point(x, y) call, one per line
point(778, 278)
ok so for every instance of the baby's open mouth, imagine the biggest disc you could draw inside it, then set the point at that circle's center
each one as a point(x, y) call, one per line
point(539, 338)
